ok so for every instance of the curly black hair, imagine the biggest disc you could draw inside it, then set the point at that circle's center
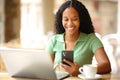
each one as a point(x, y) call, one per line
point(85, 24)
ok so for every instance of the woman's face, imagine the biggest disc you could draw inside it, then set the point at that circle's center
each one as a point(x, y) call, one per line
point(70, 21)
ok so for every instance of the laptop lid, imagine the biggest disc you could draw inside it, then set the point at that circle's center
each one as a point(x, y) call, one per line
point(28, 63)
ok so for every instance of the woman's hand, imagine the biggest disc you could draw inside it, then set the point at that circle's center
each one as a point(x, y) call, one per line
point(73, 69)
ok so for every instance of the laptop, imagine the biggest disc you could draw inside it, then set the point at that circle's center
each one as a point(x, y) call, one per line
point(26, 63)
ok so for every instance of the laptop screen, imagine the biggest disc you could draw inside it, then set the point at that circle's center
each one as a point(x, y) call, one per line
point(28, 63)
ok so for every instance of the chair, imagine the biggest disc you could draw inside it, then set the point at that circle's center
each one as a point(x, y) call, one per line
point(111, 44)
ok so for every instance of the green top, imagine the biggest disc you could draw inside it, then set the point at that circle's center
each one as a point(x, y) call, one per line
point(84, 47)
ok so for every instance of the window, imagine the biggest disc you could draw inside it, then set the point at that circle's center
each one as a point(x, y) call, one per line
point(31, 23)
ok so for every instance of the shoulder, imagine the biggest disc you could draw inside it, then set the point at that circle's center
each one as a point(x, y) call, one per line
point(94, 42)
point(93, 38)
point(92, 35)
point(84, 36)
point(52, 42)
point(57, 37)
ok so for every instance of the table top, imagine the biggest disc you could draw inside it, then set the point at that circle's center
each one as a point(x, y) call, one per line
point(110, 76)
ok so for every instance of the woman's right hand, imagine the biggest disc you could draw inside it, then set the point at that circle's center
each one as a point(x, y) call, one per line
point(73, 69)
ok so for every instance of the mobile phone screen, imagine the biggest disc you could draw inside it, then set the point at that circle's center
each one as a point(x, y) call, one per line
point(68, 55)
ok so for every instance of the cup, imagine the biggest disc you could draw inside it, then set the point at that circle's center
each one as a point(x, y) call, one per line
point(88, 70)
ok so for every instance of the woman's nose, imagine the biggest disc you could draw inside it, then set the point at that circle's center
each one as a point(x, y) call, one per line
point(70, 23)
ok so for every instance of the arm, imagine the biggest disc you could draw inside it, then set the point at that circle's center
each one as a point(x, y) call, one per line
point(52, 57)
point(73, 69)
point(104, 65)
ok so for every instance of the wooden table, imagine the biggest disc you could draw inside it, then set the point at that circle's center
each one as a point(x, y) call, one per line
point(5, 76)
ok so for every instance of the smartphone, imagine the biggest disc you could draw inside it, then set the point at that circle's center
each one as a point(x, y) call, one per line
point(68, 55)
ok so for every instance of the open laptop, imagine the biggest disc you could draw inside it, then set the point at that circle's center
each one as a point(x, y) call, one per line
point(24, 63)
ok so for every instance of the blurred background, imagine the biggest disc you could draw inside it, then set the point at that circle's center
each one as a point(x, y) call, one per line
point(29, 24)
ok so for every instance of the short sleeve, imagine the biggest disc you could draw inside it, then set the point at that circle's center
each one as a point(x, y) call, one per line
point(50, 45)
point(96, 44)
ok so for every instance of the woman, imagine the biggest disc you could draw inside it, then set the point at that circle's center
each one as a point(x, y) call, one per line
point(74, 31)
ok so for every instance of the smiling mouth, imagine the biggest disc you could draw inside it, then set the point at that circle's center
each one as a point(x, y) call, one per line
point(70, 28)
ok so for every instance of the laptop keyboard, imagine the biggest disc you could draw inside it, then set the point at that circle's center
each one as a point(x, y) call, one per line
point(62, 75)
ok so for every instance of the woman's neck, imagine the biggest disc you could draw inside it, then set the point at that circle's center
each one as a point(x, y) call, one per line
point(71, 38)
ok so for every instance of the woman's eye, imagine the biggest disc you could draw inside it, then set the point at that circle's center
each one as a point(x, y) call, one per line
point(75, 19)
point(65, 19)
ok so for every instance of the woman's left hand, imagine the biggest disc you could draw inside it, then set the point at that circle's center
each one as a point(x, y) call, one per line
point(73, 69)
